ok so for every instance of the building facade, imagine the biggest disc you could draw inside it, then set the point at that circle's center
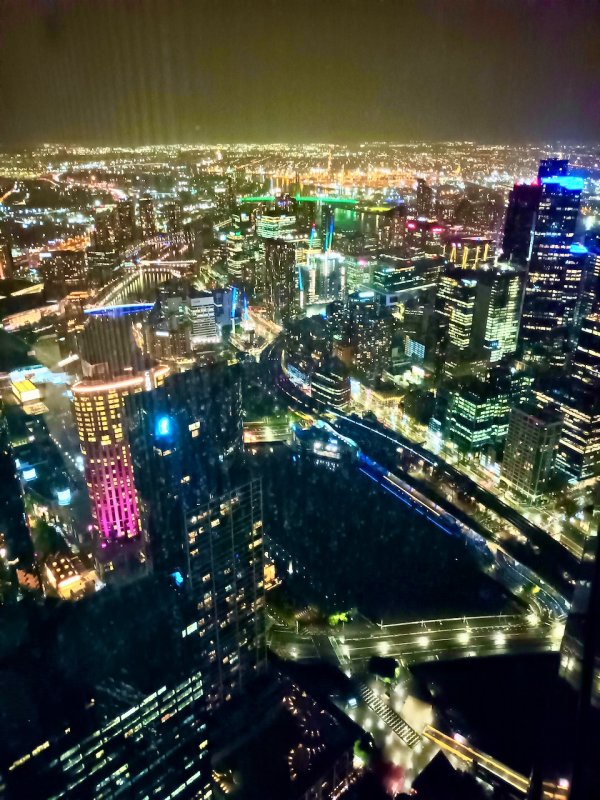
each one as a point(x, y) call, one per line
point(530, 449)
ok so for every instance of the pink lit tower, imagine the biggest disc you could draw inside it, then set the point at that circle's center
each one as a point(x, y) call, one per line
point(113, 366)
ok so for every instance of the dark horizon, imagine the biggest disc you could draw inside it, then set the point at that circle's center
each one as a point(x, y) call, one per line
point(146, 72)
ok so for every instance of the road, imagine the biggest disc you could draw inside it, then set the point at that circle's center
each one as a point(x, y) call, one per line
point(415, 642)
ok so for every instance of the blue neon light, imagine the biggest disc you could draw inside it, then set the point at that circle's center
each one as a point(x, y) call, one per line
point(234, 297)
point(163, 426)
point(178, 578)
point(578, 249)
point(569, 182)
point(119, 311)
point(29, 474)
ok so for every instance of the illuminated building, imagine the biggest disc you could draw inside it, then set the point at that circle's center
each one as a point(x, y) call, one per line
point(590, 290)
point(183, 319)
point(15, 537)
point(555, 273)
point(392, 278)
point(280, 293)
point(552, 167)
point(579, 446)
point(125, 223)
point(168, 335)
point(126, 715)
point(330, 384)
point(529, 451)
point(7, 265)
point(424, 235)
point(498, 311)
point(241, 259)
point(202, 516)
point(473, 413)
point(521, 214)
point(105, 233)
point(358, 271)
point(101, 266)
point(147, 217)
point(456, 300)
point(63, 272)
point(483, 307)
point(172, 214)
point(68, 576)
point(424, 199)
point(276, 224)
point(113, 368)
point(468, 251)
point(366, 326)
point(394, 232)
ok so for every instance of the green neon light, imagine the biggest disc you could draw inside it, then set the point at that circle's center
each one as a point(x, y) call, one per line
point(268, 198)
point(325, 198)
point(322, 198)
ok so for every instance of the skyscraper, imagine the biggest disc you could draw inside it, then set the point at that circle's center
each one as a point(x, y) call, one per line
point(553, 167)
point(202, 514)
point(281, 296)
point(63, 271)
point(7, 264)
point(172, 213)
point(113, 367)
point(579, 447)
point(497, 311)
point(147, 217)
point(521, 215)
point(15, 537)
point(125, 218)
point(483, 308)
point(554, 278)
point(424, 199)
point(530, 449)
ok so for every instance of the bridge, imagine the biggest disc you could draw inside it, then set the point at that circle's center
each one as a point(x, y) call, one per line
point(140, 282)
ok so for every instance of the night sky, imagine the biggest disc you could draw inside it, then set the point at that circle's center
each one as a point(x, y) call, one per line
point(152, 71)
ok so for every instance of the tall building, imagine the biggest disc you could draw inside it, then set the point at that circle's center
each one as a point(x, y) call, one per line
point(185, 315)
point(15, 537)
point(113, 368)
point(281, 295)
point(530, 450)
point(521, 216)
point(278, 223)
point(105, 235)
point(63, 271)
point(101, 266)
point(172, 213)
point(473, 413)
point(553, 167)
point(123, 713)
point(125, 223)
point(202, 516)
point(147, 217)
point(7, 264)
point(579, 447)
point(497, 311)
point(554, 279)
point(424, 199)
